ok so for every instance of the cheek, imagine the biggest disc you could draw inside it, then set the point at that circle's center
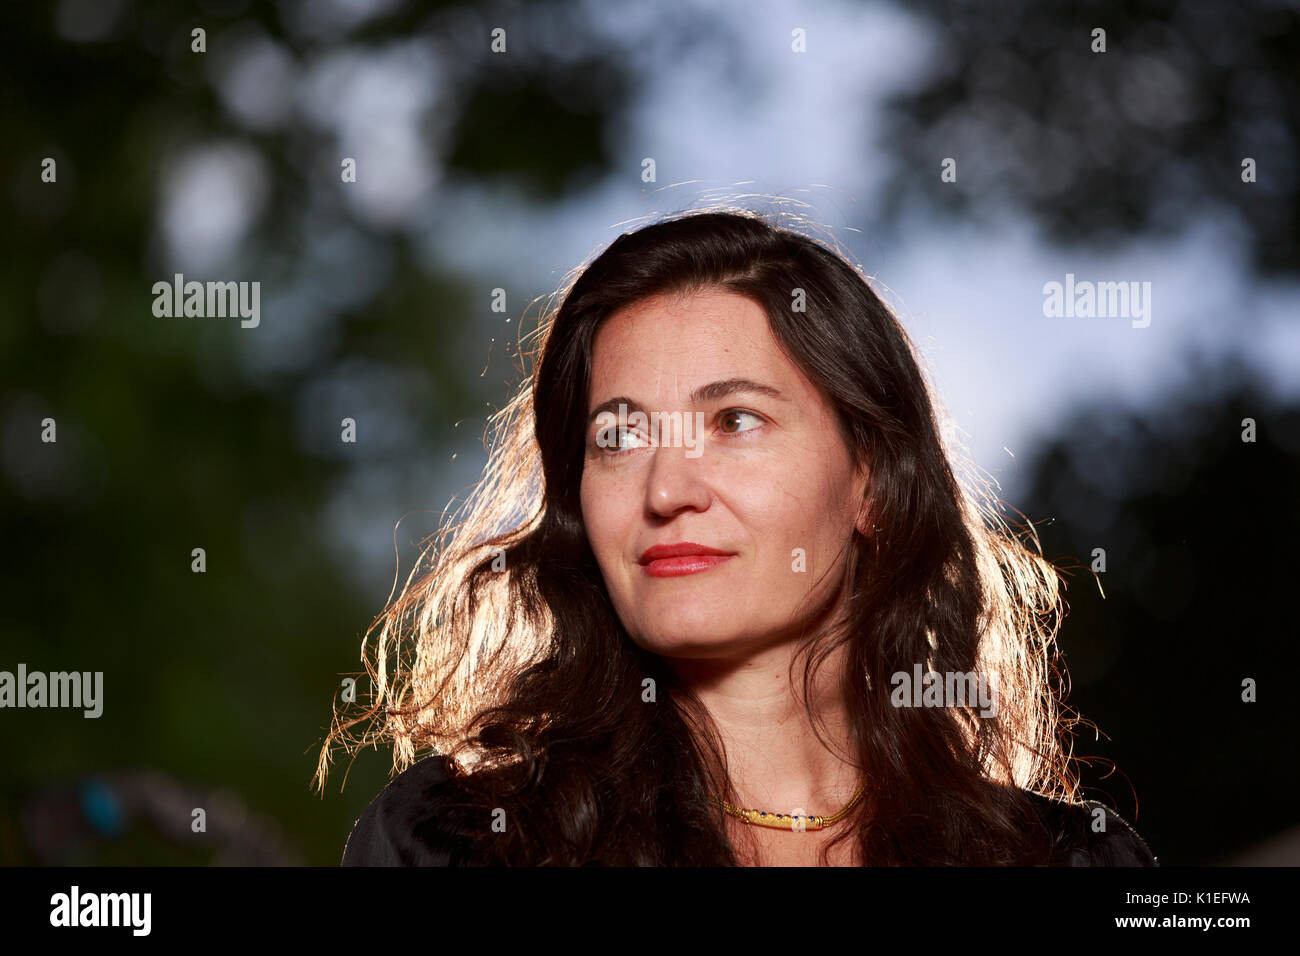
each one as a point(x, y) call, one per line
point(773, 505)
point(601, 519)
point(590, 519)
point(793, 519)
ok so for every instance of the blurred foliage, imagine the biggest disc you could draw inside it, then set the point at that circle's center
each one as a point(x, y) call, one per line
point(1194, 523)
point(1143, 138)
point(561, 102)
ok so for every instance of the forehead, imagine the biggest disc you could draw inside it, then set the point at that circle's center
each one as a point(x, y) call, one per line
point(666, 346)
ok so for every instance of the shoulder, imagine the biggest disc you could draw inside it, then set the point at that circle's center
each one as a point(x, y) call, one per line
point(401, 827)
point(1091, 834)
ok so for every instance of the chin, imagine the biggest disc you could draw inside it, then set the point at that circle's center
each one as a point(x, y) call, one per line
point(691, 639)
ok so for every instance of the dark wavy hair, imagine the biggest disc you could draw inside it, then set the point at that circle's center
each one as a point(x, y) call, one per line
point(503, 651)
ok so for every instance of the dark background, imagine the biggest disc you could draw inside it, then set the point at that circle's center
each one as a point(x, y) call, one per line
point(175, 434)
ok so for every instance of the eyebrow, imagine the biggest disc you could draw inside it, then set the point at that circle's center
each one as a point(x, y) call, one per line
point(705, 393)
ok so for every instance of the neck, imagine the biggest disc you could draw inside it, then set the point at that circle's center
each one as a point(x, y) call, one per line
point(775, 759)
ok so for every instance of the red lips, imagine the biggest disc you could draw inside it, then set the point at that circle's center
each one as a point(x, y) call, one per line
point(676, 560)
point(681, 550)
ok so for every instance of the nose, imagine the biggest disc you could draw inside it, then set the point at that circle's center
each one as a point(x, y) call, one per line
point(674, 482)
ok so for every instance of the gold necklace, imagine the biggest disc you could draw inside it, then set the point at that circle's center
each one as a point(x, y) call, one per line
point(790, 821)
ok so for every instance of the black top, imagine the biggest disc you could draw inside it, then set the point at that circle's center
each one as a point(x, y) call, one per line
point(399, 828)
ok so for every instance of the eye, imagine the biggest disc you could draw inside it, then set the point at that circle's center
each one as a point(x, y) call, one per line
point(614, 440)
point(610, 441)
point(738, 415)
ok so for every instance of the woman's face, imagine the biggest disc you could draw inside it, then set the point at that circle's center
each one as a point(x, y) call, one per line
point(767, 479)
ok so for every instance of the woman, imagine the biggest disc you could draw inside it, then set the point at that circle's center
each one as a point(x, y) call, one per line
point(721, 600)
